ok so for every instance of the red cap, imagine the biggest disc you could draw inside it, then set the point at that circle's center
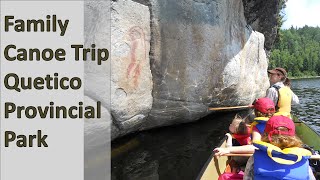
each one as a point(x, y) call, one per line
point(264, 105)
point(279, 121)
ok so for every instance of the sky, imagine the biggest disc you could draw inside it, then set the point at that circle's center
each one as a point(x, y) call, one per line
point(302, 12)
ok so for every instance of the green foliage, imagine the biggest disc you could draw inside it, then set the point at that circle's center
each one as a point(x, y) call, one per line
point(280, 18)
point(298, 51)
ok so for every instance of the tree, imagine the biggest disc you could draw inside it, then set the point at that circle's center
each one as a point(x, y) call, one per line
point(298, 50)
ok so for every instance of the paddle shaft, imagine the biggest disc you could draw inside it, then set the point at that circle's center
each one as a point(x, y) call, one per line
point(225, 108)
point(248, 155)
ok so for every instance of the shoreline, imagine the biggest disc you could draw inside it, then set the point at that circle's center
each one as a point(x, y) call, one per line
point(306, 77)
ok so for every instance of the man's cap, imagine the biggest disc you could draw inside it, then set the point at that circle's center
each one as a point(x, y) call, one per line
point(273, 124)
point(264, 105)
point(278, 70)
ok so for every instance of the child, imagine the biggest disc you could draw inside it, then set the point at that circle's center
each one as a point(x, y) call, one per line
point(279, 154)
point(239, 134)
point(264, 108)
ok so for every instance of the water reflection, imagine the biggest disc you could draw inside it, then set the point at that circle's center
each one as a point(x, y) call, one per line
point(308, 91)
point(176, 152)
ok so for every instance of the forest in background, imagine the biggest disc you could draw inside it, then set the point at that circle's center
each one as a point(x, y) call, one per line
point(298, 51)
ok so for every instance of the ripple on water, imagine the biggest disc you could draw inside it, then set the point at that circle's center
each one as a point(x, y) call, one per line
point(308, 91)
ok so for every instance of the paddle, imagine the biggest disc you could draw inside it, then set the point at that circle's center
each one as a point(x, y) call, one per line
point(226, 108)
point(248, 155)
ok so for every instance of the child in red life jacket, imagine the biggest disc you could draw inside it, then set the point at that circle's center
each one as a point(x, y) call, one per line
point(264, 109)
point(239, 134)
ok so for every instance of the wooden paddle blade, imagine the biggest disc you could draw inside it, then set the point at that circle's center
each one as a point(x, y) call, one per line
point(226, 108)
point(236, 154)
point(248, 155)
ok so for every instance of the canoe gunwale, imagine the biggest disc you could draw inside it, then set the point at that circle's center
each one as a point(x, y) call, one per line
point(307, 134)
point(297, 121)
point(204, 168)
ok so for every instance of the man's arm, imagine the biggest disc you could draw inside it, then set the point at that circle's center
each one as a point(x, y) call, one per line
point(295, 99)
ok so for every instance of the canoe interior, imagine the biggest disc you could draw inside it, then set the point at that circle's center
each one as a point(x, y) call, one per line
point(216, 166)
point(308, 135)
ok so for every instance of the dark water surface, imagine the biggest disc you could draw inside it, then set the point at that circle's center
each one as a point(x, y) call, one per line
point(308, 91)
point(179, 152)
point(176, 152)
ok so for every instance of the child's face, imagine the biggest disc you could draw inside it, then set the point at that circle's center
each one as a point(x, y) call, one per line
point(232, 127)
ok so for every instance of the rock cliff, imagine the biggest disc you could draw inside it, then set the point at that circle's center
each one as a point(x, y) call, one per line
point(171, 60)
point(263, 16)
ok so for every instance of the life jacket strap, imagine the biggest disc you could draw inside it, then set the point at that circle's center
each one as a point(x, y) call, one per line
point(282, 160)
point(277, 88)
point(286, 156)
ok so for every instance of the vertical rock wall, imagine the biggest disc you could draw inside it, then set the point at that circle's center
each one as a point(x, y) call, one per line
point(131, 80)
point(171, 60)
point(204, 54)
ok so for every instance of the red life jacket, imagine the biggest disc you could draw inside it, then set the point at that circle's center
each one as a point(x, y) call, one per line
point(243, 139)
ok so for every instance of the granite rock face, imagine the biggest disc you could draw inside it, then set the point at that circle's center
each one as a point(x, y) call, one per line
point(97, 88)
point(131, 79)
point(171, 60)
point(204, 54)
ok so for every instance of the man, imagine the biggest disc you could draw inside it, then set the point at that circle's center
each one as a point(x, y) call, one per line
point(279, 93)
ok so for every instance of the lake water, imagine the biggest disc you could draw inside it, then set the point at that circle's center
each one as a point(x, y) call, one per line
point(176, 152)
point(179, 152)
point(308, 91)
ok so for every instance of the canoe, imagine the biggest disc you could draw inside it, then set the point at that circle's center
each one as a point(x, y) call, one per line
point(215, 166)
point(307, 134)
